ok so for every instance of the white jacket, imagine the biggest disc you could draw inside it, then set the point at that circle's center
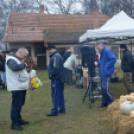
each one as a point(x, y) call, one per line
point(71, 63)
point(16, 80)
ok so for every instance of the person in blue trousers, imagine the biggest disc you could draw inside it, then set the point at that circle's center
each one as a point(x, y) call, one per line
point(106, 63)
point(56, 74)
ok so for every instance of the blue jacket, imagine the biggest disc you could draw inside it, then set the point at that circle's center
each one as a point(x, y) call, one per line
point(56, 69)
point(107, 61)
point(66, 56)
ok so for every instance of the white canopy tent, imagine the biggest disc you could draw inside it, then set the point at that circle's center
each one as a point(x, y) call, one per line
point(120, 27)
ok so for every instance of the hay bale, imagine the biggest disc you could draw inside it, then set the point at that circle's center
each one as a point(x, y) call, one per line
point(111, 110)
point(115, 121)
point(121, 124)
point(126, 127)
point(132, 114)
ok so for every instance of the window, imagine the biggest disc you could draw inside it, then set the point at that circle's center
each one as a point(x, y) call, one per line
point(115, 50)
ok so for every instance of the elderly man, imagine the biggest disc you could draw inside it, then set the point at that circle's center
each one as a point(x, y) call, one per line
point(127, 65)
point(107, 61)
point(56, 74)
point(17, 83)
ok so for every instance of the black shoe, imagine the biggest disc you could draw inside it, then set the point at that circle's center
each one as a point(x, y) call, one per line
point(22, 122)
point(50, 114)
point(61, 112)
point(103, 106)
point(16, 127)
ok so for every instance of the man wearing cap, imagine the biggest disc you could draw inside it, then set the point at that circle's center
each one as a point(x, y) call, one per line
point(56, 74)
point(106, 63)
point(127, 65)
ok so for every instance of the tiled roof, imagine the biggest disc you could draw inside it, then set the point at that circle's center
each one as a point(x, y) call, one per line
point(38, 27)
point(27, 36)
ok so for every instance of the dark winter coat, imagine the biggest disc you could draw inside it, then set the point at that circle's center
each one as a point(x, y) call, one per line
point(56, 69)
point(127, 62)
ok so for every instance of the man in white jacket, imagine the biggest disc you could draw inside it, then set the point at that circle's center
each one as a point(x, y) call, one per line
point(17, 82)
point(70, 64)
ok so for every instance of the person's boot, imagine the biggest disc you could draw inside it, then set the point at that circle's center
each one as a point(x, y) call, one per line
point(61, 112)
point(103, 106)
point(51, 114)
point(22, 122)
point(16, 127)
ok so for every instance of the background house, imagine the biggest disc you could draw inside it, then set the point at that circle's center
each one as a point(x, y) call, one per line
point(37, 30)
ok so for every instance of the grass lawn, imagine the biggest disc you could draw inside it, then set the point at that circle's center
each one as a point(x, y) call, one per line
point(79, 119)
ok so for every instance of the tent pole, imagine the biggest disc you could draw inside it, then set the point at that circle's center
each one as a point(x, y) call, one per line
point(87, 42)
point(131, 45)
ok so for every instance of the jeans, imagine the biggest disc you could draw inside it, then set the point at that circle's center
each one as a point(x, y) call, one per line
point(57, 93)
point(68, 76)
point(18, 100)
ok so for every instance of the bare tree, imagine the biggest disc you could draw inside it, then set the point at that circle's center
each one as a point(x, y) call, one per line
point(89, 5)
point(61, 6)
point(7, 6)
point(110, 7)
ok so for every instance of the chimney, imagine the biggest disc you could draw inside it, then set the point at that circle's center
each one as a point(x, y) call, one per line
point(96, 14)
point(95, 11)
point(41, 9)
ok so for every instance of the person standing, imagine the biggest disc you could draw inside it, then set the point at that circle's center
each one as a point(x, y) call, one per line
point(2, 68)
point(127, 65)
point(65, 57)
point(70, 64)
point(106, 63)
point(56, 74)
point(17, 82)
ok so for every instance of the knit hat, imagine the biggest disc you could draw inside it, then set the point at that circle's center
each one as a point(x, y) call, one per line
point(123, 46)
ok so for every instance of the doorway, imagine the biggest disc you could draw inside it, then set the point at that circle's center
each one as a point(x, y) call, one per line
point(40, 51)
point(62, 50)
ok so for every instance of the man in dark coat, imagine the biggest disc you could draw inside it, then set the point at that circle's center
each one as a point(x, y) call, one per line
point(56, 74)
point(127, 65)
point(66, 55)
